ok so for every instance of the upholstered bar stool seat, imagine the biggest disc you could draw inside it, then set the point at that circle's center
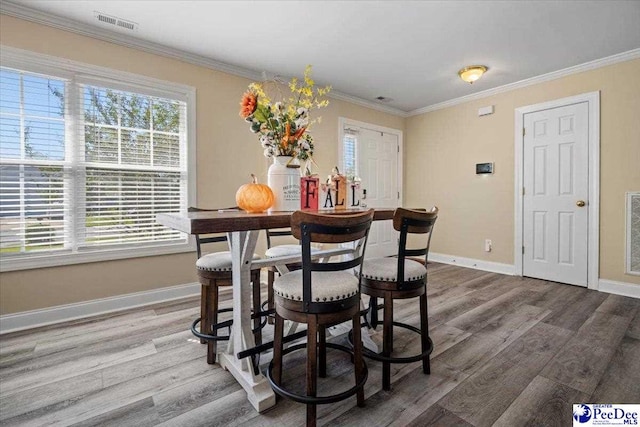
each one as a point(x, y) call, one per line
point(283, 250)
point(217, 261)
point(386, 269)
point(328, 286)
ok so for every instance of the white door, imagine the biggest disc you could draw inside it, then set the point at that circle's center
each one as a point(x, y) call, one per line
point(555, 214)
point(377, 166)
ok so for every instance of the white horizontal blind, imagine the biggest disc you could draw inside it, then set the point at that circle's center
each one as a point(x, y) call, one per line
point(34, 168)
point(85, 167)
point(132, 164)
point(349, 151)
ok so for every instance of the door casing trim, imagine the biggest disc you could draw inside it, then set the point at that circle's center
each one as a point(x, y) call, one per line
point(593, 132)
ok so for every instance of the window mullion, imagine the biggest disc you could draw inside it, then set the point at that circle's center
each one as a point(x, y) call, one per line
point(75, 152)
point(21, 171)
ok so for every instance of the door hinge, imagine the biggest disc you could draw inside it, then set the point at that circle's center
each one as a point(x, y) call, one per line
point(523, 250)
point(398, 195)
point(523, 191)
point(523, 131)
point(398, 148)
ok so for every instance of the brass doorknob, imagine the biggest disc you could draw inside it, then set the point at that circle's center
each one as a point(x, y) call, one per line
point(580, 203)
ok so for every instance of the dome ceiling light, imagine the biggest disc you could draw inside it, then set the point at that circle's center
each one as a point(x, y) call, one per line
point(472, 73)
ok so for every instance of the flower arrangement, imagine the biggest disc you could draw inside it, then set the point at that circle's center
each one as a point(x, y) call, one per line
point(283, 126)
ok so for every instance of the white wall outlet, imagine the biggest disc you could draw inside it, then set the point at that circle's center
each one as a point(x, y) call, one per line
point(487, 245)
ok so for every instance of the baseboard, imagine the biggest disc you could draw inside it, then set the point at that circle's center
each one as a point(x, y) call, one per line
point(64, 313)
point(619, 288)
point(494, 267)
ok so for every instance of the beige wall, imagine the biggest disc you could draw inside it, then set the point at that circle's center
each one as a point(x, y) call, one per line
point(227, 153)
point(442, 148)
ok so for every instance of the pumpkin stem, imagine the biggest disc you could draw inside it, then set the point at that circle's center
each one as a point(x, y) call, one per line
point(254, 179)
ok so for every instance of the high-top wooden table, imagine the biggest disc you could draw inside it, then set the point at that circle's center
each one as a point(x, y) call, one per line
point(243, 230)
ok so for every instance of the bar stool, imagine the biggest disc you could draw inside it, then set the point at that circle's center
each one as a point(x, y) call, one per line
point(400, 277)
point(321, 294)
point(214, 272)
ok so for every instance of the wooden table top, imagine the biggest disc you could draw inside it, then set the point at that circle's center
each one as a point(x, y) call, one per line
point(223, 221)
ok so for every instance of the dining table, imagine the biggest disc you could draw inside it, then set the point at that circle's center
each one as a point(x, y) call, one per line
point(242, 230)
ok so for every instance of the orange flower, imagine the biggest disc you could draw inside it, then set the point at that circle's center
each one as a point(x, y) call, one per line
point(287, 134)
point(248, 104)
point(299, 133)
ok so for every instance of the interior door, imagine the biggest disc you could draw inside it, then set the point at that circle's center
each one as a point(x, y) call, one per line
point(555, 214)
point(377, 166)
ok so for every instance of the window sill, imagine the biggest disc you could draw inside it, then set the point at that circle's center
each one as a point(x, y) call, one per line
point(55, 260)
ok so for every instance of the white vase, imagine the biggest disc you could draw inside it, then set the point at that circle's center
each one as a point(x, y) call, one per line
point(285, 184)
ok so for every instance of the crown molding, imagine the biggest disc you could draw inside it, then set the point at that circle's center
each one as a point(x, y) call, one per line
point(70, 25)
point(598, 63)
point(366, 103)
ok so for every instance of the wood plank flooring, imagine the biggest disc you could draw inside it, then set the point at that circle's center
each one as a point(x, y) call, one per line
point(508, 351)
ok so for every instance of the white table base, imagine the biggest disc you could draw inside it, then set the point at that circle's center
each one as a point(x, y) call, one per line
point(259, 392)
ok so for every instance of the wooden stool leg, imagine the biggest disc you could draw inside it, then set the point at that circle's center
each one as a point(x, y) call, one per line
point(255, 278)
point(373, 311)
point(204, 312)
point(277, 349)
point(271, 277)
point(212, 346)
point(424, 329)
point(357, 357)
point(322, 351)
point(312, 357)
point(387, 341)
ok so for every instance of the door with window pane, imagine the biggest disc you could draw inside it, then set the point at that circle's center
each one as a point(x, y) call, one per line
point(373, 155)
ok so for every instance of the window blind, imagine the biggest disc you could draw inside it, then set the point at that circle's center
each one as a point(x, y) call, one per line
point(132, 166)
point(86, 167)
point(34, 169)
point(349, 152)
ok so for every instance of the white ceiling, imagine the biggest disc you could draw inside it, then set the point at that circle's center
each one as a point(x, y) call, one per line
point(409, 51)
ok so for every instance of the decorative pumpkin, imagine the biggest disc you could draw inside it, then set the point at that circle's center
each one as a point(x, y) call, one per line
point(254, 197)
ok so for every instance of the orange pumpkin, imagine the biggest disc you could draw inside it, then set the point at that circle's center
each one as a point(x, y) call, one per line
point(254, 197)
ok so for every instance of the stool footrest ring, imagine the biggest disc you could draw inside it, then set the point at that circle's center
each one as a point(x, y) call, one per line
point(318, 400)
point(409, 359)
point(226, 324)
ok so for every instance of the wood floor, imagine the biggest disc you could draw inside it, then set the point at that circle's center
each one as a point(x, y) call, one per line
point(508, 351)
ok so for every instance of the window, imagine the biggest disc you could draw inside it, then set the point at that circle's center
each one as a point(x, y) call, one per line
point(350, 138)
point(86, 163)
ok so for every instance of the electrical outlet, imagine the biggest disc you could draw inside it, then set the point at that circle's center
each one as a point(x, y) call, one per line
point(487, 245)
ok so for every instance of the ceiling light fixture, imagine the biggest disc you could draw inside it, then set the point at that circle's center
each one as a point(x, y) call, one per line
point(472, 73)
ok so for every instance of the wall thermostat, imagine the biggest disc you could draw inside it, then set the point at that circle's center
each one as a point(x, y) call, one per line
point(484, 168)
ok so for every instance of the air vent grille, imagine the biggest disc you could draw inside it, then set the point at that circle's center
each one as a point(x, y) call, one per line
point(126, 24)
point(118, 22)
point(383, 99)
point(106, 19)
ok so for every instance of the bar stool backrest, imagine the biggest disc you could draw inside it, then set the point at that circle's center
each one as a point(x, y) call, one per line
point(320, 228)
point(413, 221)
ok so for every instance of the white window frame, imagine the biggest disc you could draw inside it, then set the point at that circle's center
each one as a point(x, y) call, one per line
point(80, 73)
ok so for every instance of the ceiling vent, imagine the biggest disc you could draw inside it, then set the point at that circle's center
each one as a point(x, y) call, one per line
point(118, 22)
